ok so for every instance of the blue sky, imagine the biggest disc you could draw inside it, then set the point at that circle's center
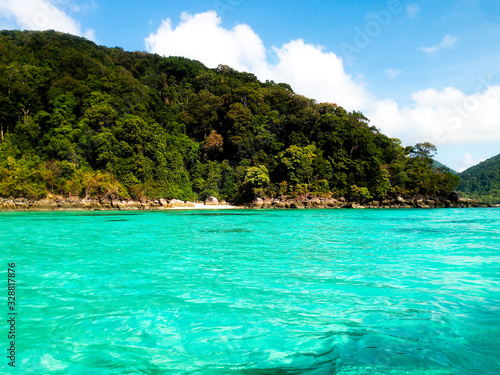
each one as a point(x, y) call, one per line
point(420, 70)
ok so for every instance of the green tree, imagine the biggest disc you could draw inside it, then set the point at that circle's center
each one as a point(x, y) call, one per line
point(297, 163)
point(201, 113)
point(256, 180)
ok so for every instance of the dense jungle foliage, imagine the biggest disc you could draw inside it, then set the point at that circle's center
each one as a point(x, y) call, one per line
point(83, 120)
point(482, 181)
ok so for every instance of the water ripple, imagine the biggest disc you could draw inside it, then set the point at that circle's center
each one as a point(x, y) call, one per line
point(257, 292)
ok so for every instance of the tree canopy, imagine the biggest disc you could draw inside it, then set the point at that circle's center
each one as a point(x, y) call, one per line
point(482, 181)
point(85, 120)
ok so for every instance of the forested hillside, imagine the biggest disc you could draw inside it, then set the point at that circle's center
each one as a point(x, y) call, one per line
point(482, 181)
point(83, 120)
point(440, 166)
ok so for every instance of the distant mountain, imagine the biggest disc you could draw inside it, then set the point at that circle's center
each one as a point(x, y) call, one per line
point(438, 165)
point(482, 181)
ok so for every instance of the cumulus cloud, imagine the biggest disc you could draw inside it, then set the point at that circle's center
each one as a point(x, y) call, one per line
point(443, 117)
point(446, 117)
point(201, 37)
point(40, 15)
point(447, 43)
point(317, 74)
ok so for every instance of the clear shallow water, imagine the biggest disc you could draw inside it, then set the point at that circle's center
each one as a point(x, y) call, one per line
point(256, 292)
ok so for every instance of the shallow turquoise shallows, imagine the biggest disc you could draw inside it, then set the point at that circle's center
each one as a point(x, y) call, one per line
point(254, 292)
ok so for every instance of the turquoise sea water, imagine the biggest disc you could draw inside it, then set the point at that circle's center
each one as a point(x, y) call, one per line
point(254, 292)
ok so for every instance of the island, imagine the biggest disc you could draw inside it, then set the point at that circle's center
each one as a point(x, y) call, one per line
point(84, 126)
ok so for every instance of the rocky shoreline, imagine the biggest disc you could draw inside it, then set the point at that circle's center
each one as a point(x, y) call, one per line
point(103, 203)
point(450, 201)
point(107, 203)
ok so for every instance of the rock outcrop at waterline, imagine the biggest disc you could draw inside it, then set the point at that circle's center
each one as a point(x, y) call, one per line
point(20, 204)
point(451, 201)
point(107, 203)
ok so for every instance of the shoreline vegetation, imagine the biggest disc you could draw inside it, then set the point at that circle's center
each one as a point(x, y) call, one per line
point(58, 203)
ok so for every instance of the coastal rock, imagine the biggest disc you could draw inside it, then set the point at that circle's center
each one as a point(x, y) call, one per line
point(268, 203)
point(296, 204)
point(468, 202)
point(176, 203)
point(453, 197)
point(121, 205)
point(314, 203)
point(105, 202)
point(420, 204)
point(9, 204)
point(331, 202)
point(257, 203)
point(212, 201)
point(89, 203)
point(430, 203)
point(21, 205)
point(85, 203)
point(133, 205)
point(44, 205)
point(75, 203)
point(70, 204)
point(126, 205)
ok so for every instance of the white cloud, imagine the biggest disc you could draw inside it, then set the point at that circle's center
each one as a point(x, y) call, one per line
point(202, 38)
point(40, 15)
point(446, 117)
point(412, 10)
point(307, 68)
point(317, 74)
point(466, 162)
point(393, 73)
point(447, 43)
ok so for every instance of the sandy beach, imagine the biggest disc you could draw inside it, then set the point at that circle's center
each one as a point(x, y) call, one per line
point(201, 206)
